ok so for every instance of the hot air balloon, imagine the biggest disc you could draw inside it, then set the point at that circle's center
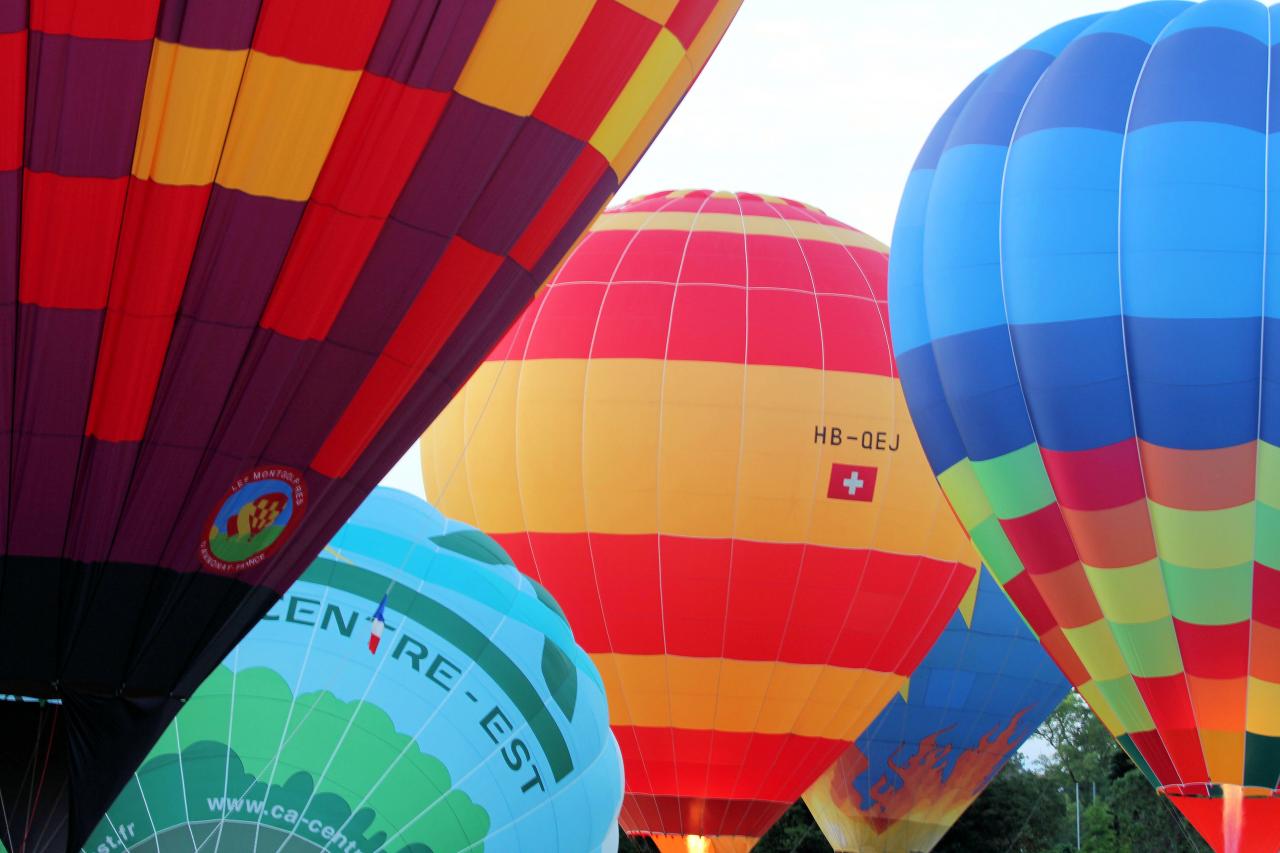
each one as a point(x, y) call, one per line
point(1082, 297)
point(478, 722)
point(248, 249)
point(695, 439)
point(983, 689)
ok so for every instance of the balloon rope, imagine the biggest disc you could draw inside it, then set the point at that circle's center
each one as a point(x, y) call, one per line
point(35, 800)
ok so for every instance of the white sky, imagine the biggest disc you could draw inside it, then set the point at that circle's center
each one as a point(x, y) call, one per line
point(827, 102)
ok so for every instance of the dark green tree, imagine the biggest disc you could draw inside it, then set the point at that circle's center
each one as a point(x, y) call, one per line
point(795, 832)
point(1019, 812)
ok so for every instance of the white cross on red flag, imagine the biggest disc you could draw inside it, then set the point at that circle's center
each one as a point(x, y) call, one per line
point(852, 482)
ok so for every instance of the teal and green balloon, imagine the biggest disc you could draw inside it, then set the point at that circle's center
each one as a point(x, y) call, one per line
point(478, 724)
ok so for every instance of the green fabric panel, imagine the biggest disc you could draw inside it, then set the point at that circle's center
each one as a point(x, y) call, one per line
point(1209, 596)
point(1149, 648)
point(1203, 539)
point(992, 543)
point(1016, 483)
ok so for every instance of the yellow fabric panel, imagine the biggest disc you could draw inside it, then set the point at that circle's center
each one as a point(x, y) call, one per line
point(1223, 754)
point(185, 113)
point(707, 472)
point(1101, 707)
point(1096, 646)
point(733, 223)
point(654, 90)
point(659, 111)
point(519, 51)
point(655, 10)
point(811, 700)
point(1262, 712)
point(1132, 595)
point(967, 497)
point(286, 117)
point(1204, 539)
point(704, 844)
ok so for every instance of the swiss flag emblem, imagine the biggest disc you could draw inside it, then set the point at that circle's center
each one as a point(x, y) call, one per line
point(852, 482)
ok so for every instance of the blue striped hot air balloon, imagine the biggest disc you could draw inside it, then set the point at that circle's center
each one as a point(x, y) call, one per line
point(1084, 296)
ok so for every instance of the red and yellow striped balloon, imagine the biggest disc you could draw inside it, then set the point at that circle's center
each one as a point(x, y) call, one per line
point(696, 439)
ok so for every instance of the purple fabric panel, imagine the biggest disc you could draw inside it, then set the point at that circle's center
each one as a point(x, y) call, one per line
point(426, 43)
point(527, 175)
point(10, 229)
point(13, 15)
point(216, 24)
point(84, 97)
point(273, 370)
point(319, 400)
point(468, 146)
point(397, 267)
point(241, 248)
point(102, 483)
point(56, 352)
point(606, 185)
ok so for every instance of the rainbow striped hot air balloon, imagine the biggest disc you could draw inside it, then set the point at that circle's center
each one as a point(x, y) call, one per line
point(1084, 296)
point(248, 249)
point(696, 439)
point(479, 724)
point(984, 688)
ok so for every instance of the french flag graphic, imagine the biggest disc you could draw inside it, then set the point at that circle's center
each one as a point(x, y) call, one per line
point(379, 622)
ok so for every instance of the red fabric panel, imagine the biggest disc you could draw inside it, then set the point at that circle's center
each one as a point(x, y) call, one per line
point(1022, 591)
point(161, 224)
point(605, 54)
point(709, 324)
point(654, 254)
point(324, 259)
point(13, 98)
point(563, 322)
point(845, 270)
point(1102, 478)
point(564, 202)
point(721, 765)
point(130, 20)
point(59, 213)
point(1157, 758)
point(1266, 595)
point(688, 17)
point(715, 257)
point(1041, 540)
point(778, 262)
point(669, 815)
point(855, 336)
point(1260, 832)
point(784, 328)
point(1055, 643)
point(777, 601)
point(383, 134)
point(446, 296)
point(633, 321)
point(1214, 651)
point(333, 33)
point(1168, 702)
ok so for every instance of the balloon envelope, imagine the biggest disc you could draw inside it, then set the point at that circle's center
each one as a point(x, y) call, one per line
point(696, 439)
point(984, 688)
point(247, 251)
point(478, 722)
point(1083, 300)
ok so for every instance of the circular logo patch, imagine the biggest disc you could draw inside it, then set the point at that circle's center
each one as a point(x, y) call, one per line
point(258, 513)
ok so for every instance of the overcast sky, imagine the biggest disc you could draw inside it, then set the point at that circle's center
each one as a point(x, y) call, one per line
point(827, 101)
